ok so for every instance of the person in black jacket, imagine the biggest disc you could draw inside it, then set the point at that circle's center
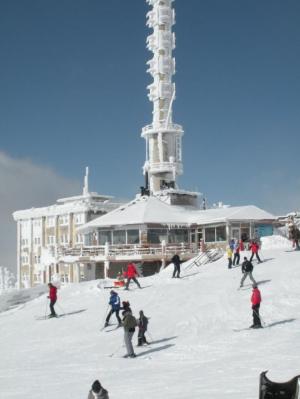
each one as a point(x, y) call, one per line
point(247, 269)
point(176, 262)
point(142, 323)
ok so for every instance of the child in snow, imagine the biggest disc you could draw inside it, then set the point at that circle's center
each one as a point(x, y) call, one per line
point(97, 391)
point(229, 256)
point(142, 323)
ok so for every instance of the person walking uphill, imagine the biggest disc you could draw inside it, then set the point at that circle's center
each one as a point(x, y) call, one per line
point(176, 262)
point(254, 247)
point(129, 324)
point(255, 301)
point(131, 274)
point(247, 269)
point(114, 302)
point(53, 298)
point(97, 391)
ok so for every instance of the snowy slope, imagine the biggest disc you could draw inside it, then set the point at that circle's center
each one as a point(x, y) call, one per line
point(196, 352)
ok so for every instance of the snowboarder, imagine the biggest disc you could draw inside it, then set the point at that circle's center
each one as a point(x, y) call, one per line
point(229, 256)
point(254, 247)
point(114, 302)
point(53, 298)
point(236, 250)
point(255, 301)
point(131, 274)
point(129, 324)
point(247, 269)
point(142, 323)
point(176, 262)
point(97, 391)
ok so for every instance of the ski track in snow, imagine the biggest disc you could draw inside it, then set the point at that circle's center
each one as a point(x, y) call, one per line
point(193, 351)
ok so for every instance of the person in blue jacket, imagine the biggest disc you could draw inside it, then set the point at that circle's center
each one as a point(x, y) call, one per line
point(114, 302)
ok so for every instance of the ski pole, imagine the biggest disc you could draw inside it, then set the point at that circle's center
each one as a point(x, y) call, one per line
point(46, 307)
point(105, 315)
point(150, 335)
point(61, 308)
point(116, 351)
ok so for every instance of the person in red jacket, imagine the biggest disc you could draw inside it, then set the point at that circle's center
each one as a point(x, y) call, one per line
point(254, 247)
point(255, 301)
point(53, 298)
point(131, 274)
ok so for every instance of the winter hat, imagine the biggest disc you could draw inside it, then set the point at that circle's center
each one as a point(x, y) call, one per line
point(254, 285)
point(96, 386)
point(112, 292)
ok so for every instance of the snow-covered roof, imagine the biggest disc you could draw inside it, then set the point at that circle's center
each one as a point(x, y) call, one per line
point(247, 212)
point(82, 203)
point(151, 210)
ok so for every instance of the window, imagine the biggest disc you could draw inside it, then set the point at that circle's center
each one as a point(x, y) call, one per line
point(64, 220)
point(214, 234)
point(64, 239)
point(37, 259)
point(104, 237)
point(37, 223)
point(210, 234)
point(51, 240)
point(37, 241)
point(221, 233)
point(50, 221)
point(119, 237)
point(177, 236)
point(133, 237)
point(79, 218)
point(156, 236)
point(24, 260)
point(24, 242)
point(79, 238)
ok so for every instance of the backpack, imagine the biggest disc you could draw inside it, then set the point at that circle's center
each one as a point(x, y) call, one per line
point(130, 321)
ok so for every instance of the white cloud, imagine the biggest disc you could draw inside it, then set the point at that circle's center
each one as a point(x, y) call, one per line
point(23, 185)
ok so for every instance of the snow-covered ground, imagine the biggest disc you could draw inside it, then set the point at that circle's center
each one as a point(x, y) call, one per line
point(199, 348)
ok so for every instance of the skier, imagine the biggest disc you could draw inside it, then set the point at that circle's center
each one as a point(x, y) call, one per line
point(142, 323)
point(129, 324)
point(231, 244)
point(97, 391)
point(247, 269)
point(256, 300)
point(131, 274)
point(229, 256)
point(176, 262)
point(53, 298)
point(114, 302)
point(236, 257)
point(254, 247)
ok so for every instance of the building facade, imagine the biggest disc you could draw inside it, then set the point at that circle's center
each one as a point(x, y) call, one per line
point(42, 233)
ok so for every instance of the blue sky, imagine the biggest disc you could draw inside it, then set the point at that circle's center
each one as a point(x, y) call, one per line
point(73, 93)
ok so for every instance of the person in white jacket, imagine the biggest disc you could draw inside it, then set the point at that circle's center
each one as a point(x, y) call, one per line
point(97, 391)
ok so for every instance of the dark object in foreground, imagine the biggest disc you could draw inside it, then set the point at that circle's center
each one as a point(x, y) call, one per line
point(278, 390)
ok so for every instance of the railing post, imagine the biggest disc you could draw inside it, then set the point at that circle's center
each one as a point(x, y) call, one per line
point(106, 261)
point(163, 254)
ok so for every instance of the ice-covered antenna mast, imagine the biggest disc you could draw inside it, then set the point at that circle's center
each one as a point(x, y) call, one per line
point(86, 182)
point(163, 138)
